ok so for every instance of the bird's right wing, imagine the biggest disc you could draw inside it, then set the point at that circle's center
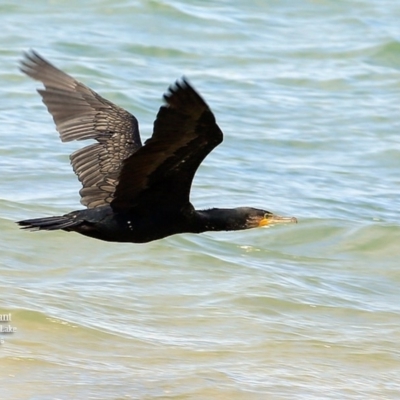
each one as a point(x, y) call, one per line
point(80, 113)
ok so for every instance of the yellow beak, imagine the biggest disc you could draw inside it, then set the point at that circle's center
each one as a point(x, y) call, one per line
point(271, 219)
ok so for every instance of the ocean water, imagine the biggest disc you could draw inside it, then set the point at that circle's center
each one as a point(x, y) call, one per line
point(308, 96)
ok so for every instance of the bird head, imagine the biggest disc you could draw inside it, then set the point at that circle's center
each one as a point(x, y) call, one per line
point(256, 218)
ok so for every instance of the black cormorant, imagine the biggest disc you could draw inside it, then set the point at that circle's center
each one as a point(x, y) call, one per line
point(133, 192)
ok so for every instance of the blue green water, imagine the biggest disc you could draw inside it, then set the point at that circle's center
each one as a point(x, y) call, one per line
point(308, 96)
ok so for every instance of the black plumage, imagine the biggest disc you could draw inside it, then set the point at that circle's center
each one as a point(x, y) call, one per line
point(135, 193)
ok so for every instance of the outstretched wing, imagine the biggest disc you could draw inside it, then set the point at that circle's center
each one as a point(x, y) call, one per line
point(80, 113)
point(185, 132)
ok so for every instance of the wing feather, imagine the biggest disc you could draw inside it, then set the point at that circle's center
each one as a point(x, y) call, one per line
point(79, 114)
point(185, 132)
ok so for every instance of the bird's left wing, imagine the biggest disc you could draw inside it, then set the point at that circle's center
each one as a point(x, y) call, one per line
point(161, 172)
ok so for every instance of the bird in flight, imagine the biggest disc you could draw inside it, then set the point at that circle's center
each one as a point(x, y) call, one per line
point(133, 192)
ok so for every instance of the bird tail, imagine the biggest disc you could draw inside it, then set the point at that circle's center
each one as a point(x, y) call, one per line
point(49, 223)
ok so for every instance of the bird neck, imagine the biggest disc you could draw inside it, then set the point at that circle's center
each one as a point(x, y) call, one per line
point(220, 219)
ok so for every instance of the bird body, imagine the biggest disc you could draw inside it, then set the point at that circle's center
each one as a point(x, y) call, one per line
point(133, 192)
